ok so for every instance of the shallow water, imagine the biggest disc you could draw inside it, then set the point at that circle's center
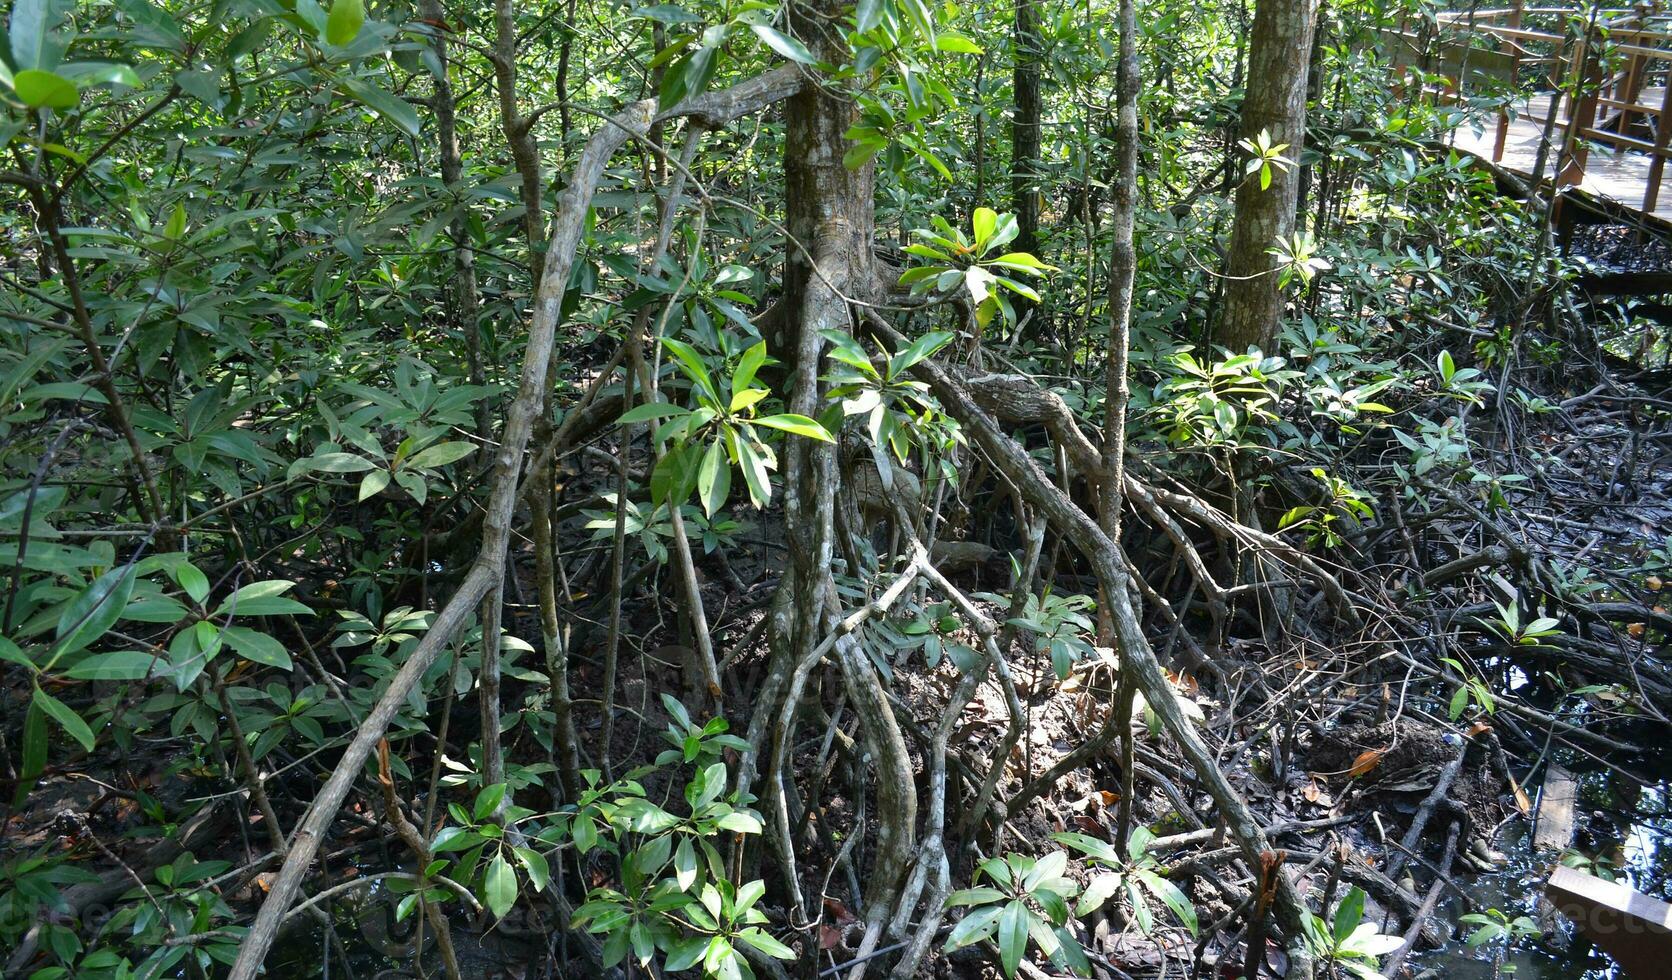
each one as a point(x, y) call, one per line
point(1641, 848)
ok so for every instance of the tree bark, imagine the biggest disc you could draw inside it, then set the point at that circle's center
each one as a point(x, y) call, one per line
point(464, 299)
point(1024, 127)
point(1275, 104)
point(830, 220)
point(1123, 268)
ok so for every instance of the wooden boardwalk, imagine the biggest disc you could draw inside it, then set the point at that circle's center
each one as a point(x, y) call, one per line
point(1618, 176)
point(1609, 138)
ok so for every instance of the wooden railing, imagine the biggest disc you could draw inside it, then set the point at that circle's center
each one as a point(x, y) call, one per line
point(1621, 60)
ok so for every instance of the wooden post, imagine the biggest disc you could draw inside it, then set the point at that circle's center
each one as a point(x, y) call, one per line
point(1583, 109)
point(1629, 926)
point(1657, 161)
point(1514, 49)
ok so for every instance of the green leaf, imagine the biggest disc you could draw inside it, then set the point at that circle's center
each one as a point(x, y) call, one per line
point(869, 14)
point(61, 713)
point(262, 599)
point(956, 44)
point(974, 927)
point(372, 484)
point(10, 652)
point(713, 478)
point(533, 862)
point(391, 108)
point(1021, 261)
point(122, 665)
point(1013, 936)
point(1050, 866)
point(500, 883)
point(96, 609)
point(758, 938)
point(1459, 701)
point(1098, 890)
point(983, 223)
point(740, 822)
point(747, 366)
point(29, 33)
point(1348, 914)
point(487, 801)
point(649, 412)
point(34, 752)
point(785, 45)
point(974, 896)
point(344, 21)
point(685, 864)
point(86, 73)
point(192, 579)
point(454, 839)
point(916, 351)
point(667, 13)
point(799, 425)
point(440, 454)
point(1170, 896)
point(754, 472)
point(40, 89)
point(685, 955)
point(339, 463)
point(692, 364)
point(257, 646)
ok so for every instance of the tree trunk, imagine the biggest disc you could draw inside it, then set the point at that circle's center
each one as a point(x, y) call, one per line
point(1024, 128)
point(463, 299)
point(830, 220)
point(1275, 104)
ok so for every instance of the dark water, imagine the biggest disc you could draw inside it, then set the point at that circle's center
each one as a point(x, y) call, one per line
point(1634, 843)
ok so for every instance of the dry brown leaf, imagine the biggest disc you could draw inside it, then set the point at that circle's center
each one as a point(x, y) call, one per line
point(1653, 582)
point(1366, 761)
point(1478, 728)
point(1635, 629)
point(1522, 802)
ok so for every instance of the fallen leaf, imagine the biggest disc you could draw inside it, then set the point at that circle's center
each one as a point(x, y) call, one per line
point(1635, 629)
point(1366, 761)
point(1478, 728)
point(837, 911)
point(1653, 582)
point(1522, 802)
point(829, 937)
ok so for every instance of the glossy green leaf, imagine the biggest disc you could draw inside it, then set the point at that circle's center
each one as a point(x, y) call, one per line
point(95, 609)
point(534, 863)
point(61, 713)
point(799, 425)
point(785, 45)
point(499, 886)
point(392, 108)
point(42, 89)
point(343, 24)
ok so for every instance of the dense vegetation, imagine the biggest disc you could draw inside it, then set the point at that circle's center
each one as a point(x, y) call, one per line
point(737, 489)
